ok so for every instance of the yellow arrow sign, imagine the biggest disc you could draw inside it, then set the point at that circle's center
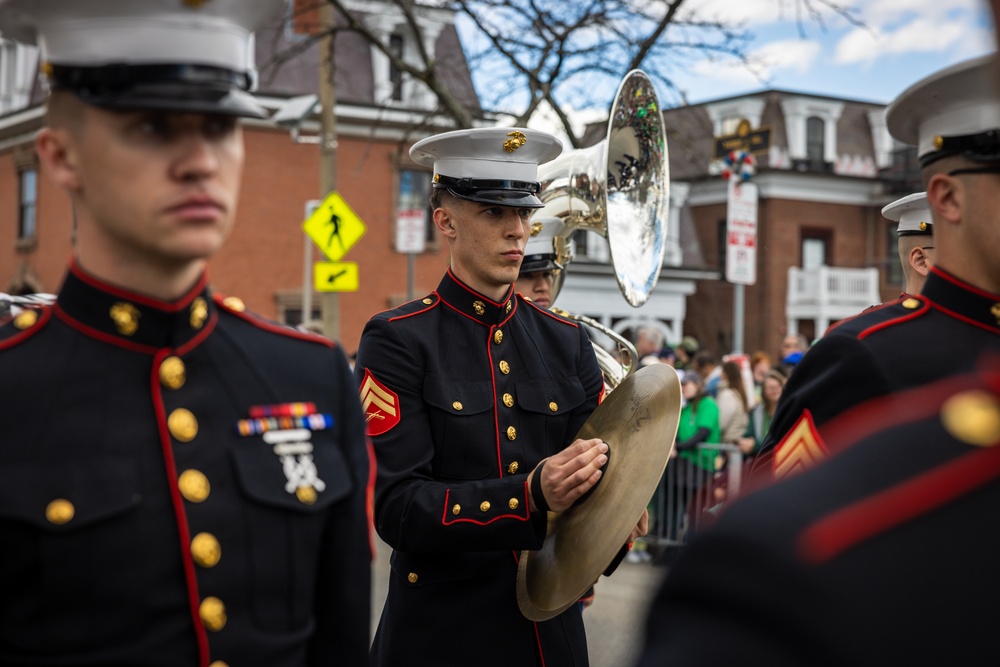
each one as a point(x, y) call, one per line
point(334, 227)
point(335, 276)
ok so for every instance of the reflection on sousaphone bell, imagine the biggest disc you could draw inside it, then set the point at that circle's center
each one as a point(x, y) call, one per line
point(618, 188)
point(639, 421)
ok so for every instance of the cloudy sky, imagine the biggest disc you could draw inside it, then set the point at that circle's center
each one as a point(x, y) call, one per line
point(901, 41)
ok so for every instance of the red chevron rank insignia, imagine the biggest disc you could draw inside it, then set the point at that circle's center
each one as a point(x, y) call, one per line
point(381, 405)
point(801, 448)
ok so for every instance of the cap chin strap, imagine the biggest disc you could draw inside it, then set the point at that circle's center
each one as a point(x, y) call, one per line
point(988, 169)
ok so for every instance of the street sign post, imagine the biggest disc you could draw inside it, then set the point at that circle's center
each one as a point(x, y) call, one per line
point(741, 233)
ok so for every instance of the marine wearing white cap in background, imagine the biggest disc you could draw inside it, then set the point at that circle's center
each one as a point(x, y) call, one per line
point(183, 482)
point(467, 391)
point(540, 266)
point(953, 117)
point(915, 241)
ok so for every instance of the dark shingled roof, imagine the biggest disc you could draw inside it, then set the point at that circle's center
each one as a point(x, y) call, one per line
point(289, 66)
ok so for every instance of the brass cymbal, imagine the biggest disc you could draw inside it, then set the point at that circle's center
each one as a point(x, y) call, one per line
point(639, 421)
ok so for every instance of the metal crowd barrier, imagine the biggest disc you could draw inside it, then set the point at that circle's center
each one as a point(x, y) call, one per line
point(688, 495)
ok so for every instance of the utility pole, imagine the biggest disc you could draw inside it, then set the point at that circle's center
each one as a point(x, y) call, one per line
point(329, 301)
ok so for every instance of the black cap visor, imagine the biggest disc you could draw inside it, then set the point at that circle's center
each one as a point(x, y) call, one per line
point(492, 191)
point(181, 88)
point(980, 147)
point(546, 262)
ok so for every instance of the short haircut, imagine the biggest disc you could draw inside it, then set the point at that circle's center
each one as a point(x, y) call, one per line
point(64, 110)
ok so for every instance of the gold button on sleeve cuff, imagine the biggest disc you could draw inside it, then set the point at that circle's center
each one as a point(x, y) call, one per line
point(484, 506)
point(456, 509)
point(513, 503)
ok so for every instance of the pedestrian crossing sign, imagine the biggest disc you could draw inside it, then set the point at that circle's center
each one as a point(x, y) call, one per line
point(335, 276)
point(334, 227)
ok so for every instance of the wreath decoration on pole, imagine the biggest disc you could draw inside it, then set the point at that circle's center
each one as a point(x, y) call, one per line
point(739, 165)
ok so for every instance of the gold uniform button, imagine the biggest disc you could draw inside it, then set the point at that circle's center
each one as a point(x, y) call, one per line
point(412, 577)
point(511, 433)
point(428, 301)
point(484, 506)
point(508, 400)
point(911, 303)
point(182, 424)
point(497, 336)
point(306, 494)
point(25, 319)
point(60, 511)
point(456, 509)
point(234, 303)
point(512, 468)
point(213, 613)
point(206, 550)
point(194, 486)
point(173, 374)
point(457, 405)
point(513, 503)
point(553, 406)
point(504, 367)
point(219, 663)
point(973, 417)
point(479, 307)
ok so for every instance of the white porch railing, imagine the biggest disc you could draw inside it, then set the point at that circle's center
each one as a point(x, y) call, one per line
point(827, 294)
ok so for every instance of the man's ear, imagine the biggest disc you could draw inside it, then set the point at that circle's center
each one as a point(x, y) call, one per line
point(57, 154)
point(444, 222)
point(920, 261)
point(946, 197)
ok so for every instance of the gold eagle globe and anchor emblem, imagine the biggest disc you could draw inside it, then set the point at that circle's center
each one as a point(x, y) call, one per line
point(517, 139)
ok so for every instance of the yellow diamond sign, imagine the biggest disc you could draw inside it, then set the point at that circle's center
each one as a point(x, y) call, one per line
point(334, 227)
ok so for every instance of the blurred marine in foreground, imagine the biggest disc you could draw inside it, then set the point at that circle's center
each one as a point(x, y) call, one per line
point(181, 482)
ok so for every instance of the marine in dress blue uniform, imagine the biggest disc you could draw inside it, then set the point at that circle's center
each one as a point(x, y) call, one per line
point(954, 117)
point(464, 396)
point(181, 481)
point(883, 555)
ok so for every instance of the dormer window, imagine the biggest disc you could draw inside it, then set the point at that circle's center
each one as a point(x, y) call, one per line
point(811, 130)
point(815, 143)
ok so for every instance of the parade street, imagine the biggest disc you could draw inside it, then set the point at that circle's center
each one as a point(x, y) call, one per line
point(615, 622)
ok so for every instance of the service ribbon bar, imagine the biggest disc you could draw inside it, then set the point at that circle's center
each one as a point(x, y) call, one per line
point(256, 426)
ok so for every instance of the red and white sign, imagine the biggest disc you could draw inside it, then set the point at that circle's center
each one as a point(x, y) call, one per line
point(741, 233)
point(411, 230)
